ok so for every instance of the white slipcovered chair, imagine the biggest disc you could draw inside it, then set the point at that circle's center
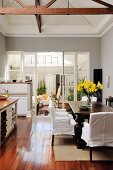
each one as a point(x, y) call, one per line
point(85, 98)
point(58, 112)
point(62, 122)
point(98, 132)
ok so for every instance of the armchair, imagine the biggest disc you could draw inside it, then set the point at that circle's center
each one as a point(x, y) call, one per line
point(98, 132)
point(58, 112)
point(62, 123)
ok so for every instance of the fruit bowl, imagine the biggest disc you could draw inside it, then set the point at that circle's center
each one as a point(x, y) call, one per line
point(4, 96)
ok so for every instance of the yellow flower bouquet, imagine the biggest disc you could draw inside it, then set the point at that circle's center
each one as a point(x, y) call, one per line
point(89, 88)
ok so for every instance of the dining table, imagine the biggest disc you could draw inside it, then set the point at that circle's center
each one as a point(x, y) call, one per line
point(81, 113)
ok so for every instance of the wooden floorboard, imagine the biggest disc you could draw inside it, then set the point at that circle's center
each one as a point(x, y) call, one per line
point(29, 148)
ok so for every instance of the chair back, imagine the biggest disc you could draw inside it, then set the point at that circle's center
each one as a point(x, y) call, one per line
point(84, 98)
point(100, 129)
point(93, 99)
point(52, 109)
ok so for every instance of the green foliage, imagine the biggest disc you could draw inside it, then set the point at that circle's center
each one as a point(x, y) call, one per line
point(71, 94)
point(41, 88)
point(71, 97)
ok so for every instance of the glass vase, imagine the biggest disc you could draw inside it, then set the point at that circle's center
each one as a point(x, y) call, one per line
point(89, 101)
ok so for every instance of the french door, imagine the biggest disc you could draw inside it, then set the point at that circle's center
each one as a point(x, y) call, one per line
point(66, 68)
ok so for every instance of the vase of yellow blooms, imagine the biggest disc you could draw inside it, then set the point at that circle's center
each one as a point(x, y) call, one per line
point(89, 89)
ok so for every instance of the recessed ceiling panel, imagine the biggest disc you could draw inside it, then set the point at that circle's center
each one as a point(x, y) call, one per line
point(22, 19)
point(92, 22)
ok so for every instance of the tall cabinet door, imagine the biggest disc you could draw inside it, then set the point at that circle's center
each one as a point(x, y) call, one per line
point(21, 105)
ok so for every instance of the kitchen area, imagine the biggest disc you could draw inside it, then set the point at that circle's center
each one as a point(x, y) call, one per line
point(21, 91)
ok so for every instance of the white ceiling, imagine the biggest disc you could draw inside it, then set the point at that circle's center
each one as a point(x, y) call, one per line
point(57, 25)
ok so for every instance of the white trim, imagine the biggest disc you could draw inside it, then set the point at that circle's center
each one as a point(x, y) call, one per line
point(53, 35)
point(75, 77)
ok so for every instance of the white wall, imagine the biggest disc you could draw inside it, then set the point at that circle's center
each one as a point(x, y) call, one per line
point(2, 55)
point(42, 44)
point(107, 62)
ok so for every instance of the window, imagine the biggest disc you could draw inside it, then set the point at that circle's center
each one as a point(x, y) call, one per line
point(13, 66)
point(29, 60)
point(40, 59)
point(54, 58)
point(48, 59)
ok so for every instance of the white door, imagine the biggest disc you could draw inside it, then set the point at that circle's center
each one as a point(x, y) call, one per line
point(21, 105)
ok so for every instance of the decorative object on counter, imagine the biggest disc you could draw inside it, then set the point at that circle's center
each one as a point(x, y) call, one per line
point(89, 89)
point(4, 96)
point(20, 81)
point(14, 80)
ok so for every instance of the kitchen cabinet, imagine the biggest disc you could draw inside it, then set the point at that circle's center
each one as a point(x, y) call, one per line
point(21, 91)
point(8, 110)
point(22, 105)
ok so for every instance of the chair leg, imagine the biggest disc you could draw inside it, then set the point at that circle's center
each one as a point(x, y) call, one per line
point(90, 154)
point(52, 140)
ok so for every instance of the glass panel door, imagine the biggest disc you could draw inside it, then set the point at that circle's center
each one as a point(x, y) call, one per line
point(14, 66)
point(69, 76)
point(83, 68)
point(29, 74)
point(49, 71)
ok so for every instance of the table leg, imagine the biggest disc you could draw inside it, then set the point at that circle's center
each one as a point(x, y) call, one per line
point(78, 132)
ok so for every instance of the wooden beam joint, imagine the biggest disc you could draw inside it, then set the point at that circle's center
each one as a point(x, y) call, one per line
point(50, 3)
point(38, 17)
point(103, 3)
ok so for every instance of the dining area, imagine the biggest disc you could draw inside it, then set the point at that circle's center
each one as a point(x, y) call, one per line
point(93, 125)
point(88, 120)
point(82, 133)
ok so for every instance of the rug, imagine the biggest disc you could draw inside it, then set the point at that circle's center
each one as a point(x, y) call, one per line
point(68, 152)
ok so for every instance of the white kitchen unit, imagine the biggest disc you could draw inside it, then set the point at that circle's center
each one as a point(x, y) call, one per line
point(8, 110)
point(22, 107)
point(21, 91)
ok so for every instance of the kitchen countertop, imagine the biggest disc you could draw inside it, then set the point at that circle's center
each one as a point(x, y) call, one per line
point(6, 103)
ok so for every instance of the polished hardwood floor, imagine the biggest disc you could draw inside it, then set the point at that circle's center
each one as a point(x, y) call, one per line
point(29, 148)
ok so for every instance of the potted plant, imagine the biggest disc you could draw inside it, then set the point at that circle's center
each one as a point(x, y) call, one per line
point(41, 88)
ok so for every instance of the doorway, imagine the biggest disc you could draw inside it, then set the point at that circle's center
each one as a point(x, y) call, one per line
point(47, 69)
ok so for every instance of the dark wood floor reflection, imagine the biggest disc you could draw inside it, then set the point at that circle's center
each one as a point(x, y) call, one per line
point(29, 148)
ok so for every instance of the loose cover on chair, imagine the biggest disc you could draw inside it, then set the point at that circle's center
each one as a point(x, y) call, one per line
point(61, 124)
point(56, 111)
point(85, 98)
point(99, 131)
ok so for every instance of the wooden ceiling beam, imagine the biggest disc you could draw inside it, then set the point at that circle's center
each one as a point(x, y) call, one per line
point(103, 3)
point(38, 19)
point(50, 3)
point(38, 16)
point(55, 11)
point(20, 3)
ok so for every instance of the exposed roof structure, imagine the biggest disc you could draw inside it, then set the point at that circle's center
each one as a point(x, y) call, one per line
point(55, 17)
